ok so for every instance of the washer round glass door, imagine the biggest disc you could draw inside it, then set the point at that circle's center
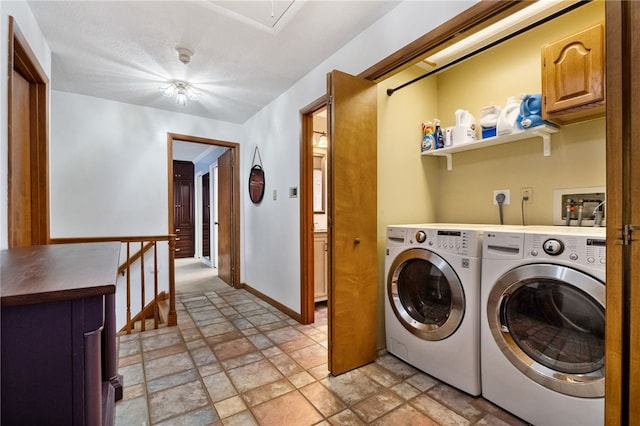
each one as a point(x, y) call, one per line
point(548, 320)
point(426, 294)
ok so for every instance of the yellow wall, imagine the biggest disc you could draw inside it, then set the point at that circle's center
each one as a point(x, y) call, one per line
point(414, 188)
point(418, 189)
point(577, 151)
point(407, 182)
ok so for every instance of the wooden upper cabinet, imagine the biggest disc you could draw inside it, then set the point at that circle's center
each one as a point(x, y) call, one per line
point(573, 77)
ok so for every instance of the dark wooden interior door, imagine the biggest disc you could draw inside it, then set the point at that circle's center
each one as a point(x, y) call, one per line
point(353, 240)
point(226, 225)
point(206, 211)
point(183, 208)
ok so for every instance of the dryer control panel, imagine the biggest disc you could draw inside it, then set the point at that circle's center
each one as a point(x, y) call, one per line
point(578, 249)
point(461, 242)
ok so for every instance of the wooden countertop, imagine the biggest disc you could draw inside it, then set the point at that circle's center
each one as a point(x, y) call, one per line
point(49, 273)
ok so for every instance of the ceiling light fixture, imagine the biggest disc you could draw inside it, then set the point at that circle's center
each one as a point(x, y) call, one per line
point(182, 90)
point(537, 11)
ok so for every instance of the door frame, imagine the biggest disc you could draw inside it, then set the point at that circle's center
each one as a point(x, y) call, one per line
point(22, 59)
point(235, 147)
point(307, 267)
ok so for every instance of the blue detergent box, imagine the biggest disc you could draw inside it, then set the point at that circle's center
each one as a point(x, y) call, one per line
point(488, 132)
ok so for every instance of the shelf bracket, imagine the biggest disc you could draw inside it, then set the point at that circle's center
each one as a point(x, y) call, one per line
point(449, 162)
point(546, 142)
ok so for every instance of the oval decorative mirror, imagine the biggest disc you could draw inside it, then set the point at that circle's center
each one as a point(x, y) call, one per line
point(256, 179)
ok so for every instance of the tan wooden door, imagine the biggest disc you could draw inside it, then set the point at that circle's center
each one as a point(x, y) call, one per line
point(353, 265)
point(226, 263)
point(622, 368)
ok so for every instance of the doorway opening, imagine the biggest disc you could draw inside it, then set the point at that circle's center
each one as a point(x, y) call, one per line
point(314, 210)
point(204, 207)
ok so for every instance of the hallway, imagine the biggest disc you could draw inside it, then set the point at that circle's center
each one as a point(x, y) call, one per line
point(235, 360)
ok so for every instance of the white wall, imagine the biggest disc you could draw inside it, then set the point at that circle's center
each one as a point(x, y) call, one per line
point(271, 230)
point(109, 176)
point(30, 30)
point(109, 164)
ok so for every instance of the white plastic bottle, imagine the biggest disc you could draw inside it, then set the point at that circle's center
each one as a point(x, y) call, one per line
point(508, 117)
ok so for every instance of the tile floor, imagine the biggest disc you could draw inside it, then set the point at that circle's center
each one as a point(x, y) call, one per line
point(235, 360)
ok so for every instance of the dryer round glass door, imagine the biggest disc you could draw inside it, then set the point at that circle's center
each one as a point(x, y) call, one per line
point(426, 294)
point(548, 320)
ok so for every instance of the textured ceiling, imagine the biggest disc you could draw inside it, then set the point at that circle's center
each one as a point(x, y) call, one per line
point(243, 56)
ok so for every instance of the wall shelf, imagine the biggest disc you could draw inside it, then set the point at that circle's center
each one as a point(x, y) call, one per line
point(544, 131)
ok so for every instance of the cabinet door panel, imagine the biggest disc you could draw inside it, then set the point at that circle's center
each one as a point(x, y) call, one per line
point(573, 71)
point(320, 266)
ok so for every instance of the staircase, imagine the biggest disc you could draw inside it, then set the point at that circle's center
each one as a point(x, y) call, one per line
point(155, 315)
point(155, 308)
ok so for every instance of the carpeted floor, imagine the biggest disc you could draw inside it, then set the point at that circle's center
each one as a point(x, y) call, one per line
point(194, 276)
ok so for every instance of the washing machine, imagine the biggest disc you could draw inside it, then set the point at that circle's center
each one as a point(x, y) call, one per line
point(432, 300)
point(543, 322)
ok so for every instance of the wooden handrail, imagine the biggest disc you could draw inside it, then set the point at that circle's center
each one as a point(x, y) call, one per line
point(137, 255)
point(151, 241)
point(136, 238)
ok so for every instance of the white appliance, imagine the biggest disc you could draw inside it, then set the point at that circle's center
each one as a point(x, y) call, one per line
point(542, 323)
point(432, 298)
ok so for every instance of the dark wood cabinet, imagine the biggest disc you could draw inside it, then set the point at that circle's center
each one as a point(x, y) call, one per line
point(58, 335)
point(183, 209)
point(206, 212)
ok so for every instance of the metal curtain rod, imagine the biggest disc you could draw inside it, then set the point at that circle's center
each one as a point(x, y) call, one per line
point(492, 44)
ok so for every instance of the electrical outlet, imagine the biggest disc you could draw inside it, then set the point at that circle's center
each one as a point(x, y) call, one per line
point(527, 192)
point(507, 197)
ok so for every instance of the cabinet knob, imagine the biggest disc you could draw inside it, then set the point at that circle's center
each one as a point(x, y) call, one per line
point(356, 241)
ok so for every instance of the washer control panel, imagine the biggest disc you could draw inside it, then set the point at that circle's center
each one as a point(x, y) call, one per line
point(440, 238)
point(578, 249)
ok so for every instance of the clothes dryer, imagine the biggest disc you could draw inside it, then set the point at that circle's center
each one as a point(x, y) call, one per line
point(432, 300)
point(542, 323)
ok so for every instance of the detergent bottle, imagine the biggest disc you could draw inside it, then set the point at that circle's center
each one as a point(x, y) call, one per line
point(507, 120)
point(428, 137)
point(439, 136)
point(530, 111)
point(465, 128)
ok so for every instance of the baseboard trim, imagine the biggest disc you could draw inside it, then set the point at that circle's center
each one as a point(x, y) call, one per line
point(279, 306)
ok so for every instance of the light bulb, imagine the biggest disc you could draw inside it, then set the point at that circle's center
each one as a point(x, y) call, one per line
point(181, 97)
point(169, 90)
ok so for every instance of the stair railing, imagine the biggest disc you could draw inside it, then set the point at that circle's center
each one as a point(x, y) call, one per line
point(136, 248)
